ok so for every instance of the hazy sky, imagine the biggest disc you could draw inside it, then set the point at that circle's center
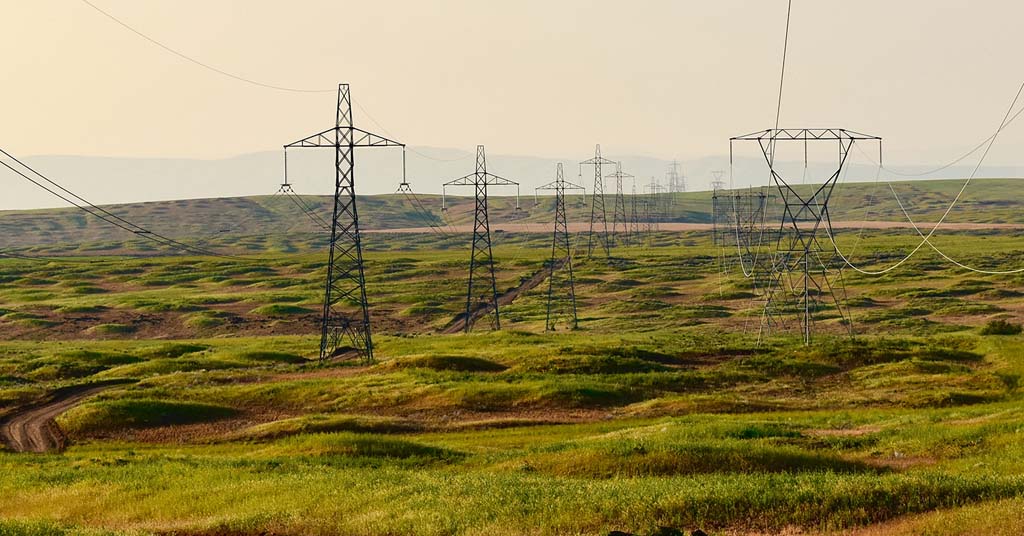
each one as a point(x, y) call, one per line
point(665, 78)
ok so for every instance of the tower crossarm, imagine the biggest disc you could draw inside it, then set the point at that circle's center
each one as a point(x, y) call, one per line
point(566, 185)
point(804, 134)
point(489, 179)
point(345, 136)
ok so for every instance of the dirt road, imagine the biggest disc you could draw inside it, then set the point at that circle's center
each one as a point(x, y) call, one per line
point(459, 323)
point(32, 429)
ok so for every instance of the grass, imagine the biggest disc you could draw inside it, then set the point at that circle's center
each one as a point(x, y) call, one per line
point(662, 410)
point(106, 416)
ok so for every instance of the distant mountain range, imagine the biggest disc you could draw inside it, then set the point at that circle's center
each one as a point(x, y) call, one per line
point(107, 180)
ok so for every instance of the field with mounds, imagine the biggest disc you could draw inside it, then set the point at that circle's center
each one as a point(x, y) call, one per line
point(277, 224)
point(667, 410)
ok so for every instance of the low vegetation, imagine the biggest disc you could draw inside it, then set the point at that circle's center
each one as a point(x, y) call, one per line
point(663, 411)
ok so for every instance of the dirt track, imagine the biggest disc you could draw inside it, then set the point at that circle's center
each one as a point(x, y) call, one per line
point(459, 323)
point(32, 429)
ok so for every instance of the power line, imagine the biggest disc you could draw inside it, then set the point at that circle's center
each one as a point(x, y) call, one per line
point(781, 78)
point(250, 81)
point(926, 239)
point(199, 63)
point(940, 252)
point(104, 214)
point(959, 158)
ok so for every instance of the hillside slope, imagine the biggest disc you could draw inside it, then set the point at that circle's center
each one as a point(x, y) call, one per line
point(224, 220)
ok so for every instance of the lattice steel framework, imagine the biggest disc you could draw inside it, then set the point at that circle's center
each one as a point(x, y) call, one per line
point(345, 288)
point(598, 214)
point(676, 179)
point(634, 216)
point(561, 306)
point(803, 269)
point(619, 213)
point(717, 180)
point(739, 228)
point(482, 290)
point(654, 210)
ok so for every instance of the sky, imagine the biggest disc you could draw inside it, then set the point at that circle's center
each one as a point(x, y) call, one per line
point(664, 78)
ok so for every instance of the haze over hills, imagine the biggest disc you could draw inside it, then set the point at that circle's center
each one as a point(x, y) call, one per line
point(108, 180)
point(230, 221)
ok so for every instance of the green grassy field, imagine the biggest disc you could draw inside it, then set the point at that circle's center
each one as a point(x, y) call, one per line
point(663, 411)
point(275, 224)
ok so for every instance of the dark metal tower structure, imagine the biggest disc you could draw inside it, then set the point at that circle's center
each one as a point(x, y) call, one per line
point(346, 313)
point(482, 291)
point(634, 216)
point(561, 305)
point(619, 213)
point(598, 215)
point(654, 210)
point(802, 268)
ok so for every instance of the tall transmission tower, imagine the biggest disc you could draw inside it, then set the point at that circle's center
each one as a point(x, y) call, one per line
point(598, 215)
point(654, 190)
point(634, 216)
point(676, 183)
point(719, 210)
point(648, 225)
point(619, 213)
point(677, 179)
point(345, 288)
point(482, 290)
point(561, 305)
point(803, 269)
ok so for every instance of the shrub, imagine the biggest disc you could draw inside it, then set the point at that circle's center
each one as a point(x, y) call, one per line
point(1001, 327)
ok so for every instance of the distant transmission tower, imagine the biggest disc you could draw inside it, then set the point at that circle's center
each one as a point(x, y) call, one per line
point(482, 291)
point(619, 214)
point(654, 190)
point(634, 216)
point(345, 288)
point(803, 269)
point(561, 285)
point(598, 215)
point(719, 210)
point(717, 180)
point(676, 184)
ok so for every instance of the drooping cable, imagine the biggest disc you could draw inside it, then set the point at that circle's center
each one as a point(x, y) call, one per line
point(926, 239)
point(101, 213)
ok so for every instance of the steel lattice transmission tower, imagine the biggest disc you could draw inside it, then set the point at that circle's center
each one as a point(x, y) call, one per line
point(561, 283)
point(719, 210)
point(345, 289)
point(598, 214)
point(619, 213)
point(803, 268)
point(482, 291)
point(634, 216)
point(717, 180)
point(654, 190)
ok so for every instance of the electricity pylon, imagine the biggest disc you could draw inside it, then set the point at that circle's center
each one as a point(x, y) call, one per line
point(561, 284)
point(482, 291)
point(634, 216)
point(345, 288)
point(619, 214)
point(654, 190)
point(802, 267)
point(717, 181)
point(598, 214)
point(719, 210)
